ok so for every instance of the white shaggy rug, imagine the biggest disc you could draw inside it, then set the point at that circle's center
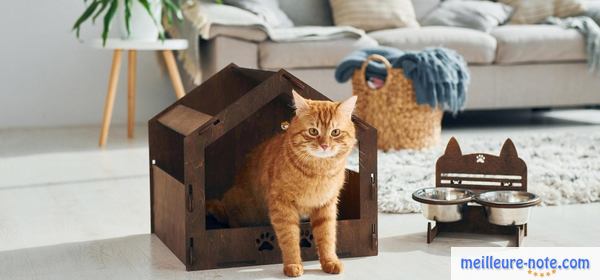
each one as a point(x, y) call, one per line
point(563, 168)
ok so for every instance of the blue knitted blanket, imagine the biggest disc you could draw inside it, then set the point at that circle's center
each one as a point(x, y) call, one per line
point(440, 76)
point(590, 30)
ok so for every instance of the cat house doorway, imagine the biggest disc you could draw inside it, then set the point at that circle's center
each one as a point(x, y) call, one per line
point(226, 156)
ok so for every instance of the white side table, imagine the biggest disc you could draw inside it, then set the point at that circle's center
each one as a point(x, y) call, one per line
point(166, 47)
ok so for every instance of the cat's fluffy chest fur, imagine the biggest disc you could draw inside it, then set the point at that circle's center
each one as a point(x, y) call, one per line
point(296, 173)
point(306, 183)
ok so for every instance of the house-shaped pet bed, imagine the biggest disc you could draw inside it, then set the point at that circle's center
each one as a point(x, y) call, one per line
point(198, 144)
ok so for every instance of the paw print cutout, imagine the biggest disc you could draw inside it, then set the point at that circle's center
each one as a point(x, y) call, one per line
point(506, 184)
point(265, 241)
point(480, 159)
point(305, 239)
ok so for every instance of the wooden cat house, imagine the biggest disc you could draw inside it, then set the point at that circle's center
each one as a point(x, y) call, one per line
point(198, 144)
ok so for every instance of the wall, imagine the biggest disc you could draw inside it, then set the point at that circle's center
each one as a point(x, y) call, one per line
point(49, 78)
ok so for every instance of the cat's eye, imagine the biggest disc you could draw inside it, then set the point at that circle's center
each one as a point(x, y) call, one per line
point(313, 131)
point(335, 133)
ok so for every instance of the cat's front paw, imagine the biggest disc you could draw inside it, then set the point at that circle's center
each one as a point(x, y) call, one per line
point(293, 270)
point(332, 266)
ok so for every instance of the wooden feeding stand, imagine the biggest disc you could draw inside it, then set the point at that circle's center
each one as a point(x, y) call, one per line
point(198, 144)
point(480, 172)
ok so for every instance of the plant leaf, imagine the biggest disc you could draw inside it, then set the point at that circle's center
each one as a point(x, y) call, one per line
point(172, 8)
point(108, 18)
point(86, 14)
point(161, 35)
point(128, 16)
point(168, 13)
point(148, 9)
point(102, 8)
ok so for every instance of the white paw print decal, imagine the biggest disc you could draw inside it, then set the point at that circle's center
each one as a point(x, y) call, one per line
point(480, 159)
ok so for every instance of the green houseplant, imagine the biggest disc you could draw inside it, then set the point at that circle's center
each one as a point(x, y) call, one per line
point(107, 9)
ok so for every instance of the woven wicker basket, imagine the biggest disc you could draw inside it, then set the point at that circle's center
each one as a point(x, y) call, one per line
point(401, 123)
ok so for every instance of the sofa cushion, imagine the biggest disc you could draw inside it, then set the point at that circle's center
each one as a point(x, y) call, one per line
point(309, 54)
point(308, 12)
point(478, 15)
point(475, 46)
point(538, 43)
point(374, 15)
point(424, 7)
point(535, 11)
point(268, 10)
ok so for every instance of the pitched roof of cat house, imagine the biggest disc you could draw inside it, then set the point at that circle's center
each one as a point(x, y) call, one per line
point(232, 95)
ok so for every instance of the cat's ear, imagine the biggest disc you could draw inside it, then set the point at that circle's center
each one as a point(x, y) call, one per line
point(347, 106)
point(508, 149)
point(300, 103)
point(453, 149)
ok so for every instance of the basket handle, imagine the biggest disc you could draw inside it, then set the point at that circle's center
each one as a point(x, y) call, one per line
point(376, 57)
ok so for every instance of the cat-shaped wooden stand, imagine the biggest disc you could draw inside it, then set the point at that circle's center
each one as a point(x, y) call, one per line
point(472, 171)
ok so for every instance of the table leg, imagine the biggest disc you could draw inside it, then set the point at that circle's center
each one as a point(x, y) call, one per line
point(131, 76)
point(173, 73)
point(110, 96)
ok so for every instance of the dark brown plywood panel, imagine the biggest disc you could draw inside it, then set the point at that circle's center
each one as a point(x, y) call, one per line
point(169, 212)
point(183, 119)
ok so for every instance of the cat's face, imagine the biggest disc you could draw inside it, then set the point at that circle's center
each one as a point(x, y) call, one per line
point(323, 129)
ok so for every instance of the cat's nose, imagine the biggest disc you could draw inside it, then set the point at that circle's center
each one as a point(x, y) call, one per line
point(324, 146)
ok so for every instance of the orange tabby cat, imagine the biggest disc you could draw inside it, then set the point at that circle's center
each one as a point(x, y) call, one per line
point(295, 174)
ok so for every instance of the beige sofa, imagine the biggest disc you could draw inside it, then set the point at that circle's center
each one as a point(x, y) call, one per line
point(513, 66)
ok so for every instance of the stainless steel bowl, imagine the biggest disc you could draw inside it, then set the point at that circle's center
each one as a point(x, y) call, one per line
point(443, 204)
point(507, 207)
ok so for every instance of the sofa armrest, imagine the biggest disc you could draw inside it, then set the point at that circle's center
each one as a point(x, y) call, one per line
point(247, 33)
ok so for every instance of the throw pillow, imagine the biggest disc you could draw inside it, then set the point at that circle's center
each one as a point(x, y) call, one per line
point(535, 11)
point(568, 8)
point(374, 15)
point(268, 10)
point(480, 15)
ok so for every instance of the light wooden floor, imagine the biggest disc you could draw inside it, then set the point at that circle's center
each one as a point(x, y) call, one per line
point(71, 211)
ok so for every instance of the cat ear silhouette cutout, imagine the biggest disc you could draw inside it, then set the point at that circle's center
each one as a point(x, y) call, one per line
point(453, 149)
point(508, 149)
